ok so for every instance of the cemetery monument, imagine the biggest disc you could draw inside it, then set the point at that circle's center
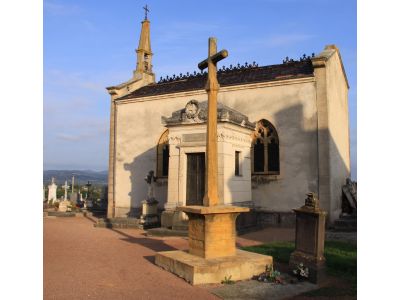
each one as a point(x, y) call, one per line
point(212, 254)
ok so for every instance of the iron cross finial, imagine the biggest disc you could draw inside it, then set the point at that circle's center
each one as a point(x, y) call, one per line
point(146, 10)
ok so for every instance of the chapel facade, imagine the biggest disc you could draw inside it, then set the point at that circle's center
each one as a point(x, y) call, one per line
point(283, 131)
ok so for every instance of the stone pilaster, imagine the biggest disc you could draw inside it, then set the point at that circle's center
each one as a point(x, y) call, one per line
point(111, 160)
point(319, 64)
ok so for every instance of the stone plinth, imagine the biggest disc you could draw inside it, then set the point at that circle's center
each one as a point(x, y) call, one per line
point(63, 206)
point(212, 230)
point(198, 270)
point(212, 254)
point(310, 240)
point(149, 217)
point(149, 207)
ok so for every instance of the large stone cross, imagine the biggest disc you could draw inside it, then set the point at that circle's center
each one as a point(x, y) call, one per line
point(212, 87)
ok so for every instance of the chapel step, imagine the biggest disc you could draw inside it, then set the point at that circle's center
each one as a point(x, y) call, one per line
point(346, 223)
point(60, 214)
point(118, 223)
point(162, 231)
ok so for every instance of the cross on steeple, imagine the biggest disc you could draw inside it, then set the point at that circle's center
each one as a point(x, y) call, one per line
point(146, 10)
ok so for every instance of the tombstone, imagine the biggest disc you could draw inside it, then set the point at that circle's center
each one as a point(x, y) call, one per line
point(65, 187)
point(63, 206)
point(212, 251)
point(310, 239)
point(52, 194)
point(74, 197)
point(149, 217)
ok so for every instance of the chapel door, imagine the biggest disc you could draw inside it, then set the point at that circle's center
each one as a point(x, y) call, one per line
point(195, 178)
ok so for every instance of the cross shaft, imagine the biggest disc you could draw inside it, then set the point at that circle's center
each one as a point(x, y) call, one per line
point(212, 87)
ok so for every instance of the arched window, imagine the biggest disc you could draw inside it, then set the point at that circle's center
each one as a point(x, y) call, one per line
point(265, 149)
point(163, 155)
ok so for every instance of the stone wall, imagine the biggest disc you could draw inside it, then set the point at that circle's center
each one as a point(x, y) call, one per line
point(339, 147)
point(289, 105)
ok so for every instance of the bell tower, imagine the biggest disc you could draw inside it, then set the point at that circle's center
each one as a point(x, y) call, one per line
point(144, 68)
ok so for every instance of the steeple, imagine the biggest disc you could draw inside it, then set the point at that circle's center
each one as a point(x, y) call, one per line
point(144, 54)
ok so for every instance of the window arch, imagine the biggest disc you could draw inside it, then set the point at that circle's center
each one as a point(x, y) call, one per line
point(163, 155)
point(265, 149)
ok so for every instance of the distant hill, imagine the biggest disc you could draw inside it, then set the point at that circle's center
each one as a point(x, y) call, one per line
point(81, 176)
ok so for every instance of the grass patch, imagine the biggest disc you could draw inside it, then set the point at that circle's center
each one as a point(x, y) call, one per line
point(280, 251)
point(341, 261)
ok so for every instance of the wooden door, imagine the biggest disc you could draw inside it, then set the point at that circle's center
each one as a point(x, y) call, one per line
point(195, 178)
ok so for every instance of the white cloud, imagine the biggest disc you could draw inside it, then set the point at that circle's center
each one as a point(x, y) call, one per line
point(58, 9)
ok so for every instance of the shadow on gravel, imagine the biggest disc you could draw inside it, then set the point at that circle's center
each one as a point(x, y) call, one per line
point(153, 244)
point(91, 219)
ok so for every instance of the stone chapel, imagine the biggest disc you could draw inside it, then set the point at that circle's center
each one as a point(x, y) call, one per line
point(283, 131)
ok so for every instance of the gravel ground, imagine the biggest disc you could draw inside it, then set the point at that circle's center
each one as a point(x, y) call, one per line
point(84, 262)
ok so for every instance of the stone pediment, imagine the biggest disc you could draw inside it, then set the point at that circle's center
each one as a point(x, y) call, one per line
point(196, 112)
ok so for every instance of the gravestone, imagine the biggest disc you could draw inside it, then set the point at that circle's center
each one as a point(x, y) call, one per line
point(149, 217)
point(310, 239)
point(74, 197)
point(52, 194)
point(63, 206)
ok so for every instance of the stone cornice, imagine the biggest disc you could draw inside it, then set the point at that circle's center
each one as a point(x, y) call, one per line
point(320, 60)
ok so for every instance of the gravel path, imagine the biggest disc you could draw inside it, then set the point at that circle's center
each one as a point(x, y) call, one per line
point(84, 262)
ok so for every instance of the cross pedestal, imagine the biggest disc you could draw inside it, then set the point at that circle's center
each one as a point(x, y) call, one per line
point(212, 230)
point(212, 254)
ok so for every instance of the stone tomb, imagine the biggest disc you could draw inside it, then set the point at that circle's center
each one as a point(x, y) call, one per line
point(212, 254)
point(310, 239)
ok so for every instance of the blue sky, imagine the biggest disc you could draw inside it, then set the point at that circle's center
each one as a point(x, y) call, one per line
point(89, 45)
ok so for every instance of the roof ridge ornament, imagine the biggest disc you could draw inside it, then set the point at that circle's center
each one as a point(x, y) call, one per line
point(194, 74)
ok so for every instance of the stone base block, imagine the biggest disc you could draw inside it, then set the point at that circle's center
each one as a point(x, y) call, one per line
point(149, 221)
point(167, 218)
point(316, 266)
point(198, 270)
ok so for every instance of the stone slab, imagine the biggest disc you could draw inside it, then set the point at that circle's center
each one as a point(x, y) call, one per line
point(166, 232)
point(218, 209)
point(197, 270)
point(252, 289)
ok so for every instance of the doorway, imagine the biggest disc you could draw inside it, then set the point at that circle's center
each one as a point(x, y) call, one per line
point(195, 178)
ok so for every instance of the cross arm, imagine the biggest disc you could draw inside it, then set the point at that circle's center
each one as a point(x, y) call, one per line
point(215, 58)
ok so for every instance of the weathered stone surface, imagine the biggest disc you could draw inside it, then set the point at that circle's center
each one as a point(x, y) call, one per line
point(219, 209)
point(63, 207)
point(197, 270)
point(212, 230)
point(167, 218)
point(252, 289)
